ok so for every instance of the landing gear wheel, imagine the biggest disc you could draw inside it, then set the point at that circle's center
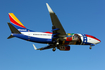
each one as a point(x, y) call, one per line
point(53, 49)
point(90, 47)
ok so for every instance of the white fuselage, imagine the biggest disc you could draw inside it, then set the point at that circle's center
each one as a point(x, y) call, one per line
point(38, 34)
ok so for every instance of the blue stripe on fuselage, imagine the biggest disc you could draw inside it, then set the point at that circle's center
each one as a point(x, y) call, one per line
point(85, 40)
point(33, 39)
point(21, 29)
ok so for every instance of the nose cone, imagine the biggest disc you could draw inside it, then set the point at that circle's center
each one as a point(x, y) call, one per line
point(98, 41)
point(92, 39)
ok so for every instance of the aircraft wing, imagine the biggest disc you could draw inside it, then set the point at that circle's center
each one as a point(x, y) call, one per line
point(56, 23)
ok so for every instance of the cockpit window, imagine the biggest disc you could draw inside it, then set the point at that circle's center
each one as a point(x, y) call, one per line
point(94, 37)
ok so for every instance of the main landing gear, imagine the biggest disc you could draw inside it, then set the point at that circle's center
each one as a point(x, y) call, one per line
point(53, 49)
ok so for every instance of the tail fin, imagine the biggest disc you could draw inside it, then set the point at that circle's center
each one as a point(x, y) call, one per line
point(15, 20)
point(13, 30)
point(17, 24)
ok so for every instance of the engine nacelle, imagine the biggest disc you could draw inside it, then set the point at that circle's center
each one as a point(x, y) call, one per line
point(64, 48)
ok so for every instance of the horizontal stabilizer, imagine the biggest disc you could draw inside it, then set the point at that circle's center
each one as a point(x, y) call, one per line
point(10, 37)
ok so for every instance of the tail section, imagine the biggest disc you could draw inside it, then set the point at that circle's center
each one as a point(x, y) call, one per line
point(17, 24)
point(13, 30)
point(15, 20)
point(11, 36)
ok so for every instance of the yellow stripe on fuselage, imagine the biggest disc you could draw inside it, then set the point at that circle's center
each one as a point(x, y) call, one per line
point(15, 18)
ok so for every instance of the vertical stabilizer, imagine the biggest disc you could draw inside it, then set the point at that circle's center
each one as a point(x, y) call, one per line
point(15, 20)
point(13, 29)
point(17, 24)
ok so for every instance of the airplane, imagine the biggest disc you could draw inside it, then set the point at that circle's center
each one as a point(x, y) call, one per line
point(58, 38)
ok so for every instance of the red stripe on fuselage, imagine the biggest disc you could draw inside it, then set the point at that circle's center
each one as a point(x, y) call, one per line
point(13, 21)
point(48, 32)
point(92, 37)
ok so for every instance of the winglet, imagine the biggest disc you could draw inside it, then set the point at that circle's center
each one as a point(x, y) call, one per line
point(49, 8)
point(34, 47)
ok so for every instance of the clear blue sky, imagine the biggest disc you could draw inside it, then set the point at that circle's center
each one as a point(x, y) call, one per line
point(76, 16)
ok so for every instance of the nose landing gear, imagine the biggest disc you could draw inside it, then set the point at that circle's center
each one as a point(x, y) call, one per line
point(90, 47)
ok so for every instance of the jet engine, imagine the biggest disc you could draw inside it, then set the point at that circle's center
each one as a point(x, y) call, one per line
point(64, 48)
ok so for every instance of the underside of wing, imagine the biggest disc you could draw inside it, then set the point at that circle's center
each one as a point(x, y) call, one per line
point(56, 23)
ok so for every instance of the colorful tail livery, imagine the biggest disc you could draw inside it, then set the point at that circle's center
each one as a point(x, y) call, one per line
point(58, 38)
point(15, 20)
point(17, 24)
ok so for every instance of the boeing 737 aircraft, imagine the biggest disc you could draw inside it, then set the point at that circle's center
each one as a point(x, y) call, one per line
point(58, 38)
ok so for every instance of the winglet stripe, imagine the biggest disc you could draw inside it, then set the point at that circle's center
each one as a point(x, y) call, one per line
point(49, 8)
